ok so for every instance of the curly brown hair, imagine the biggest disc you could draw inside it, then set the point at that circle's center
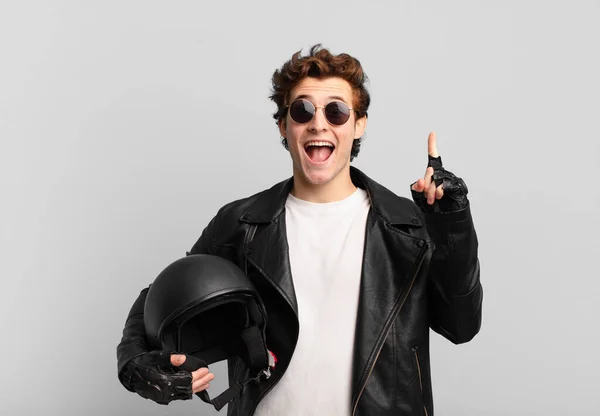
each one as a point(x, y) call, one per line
point(320, 63)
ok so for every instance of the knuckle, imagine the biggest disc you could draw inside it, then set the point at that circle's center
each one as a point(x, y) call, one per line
point(199, 386)
point(201, 372)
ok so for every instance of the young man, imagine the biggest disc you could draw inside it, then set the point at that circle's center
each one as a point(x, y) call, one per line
point(352, 276)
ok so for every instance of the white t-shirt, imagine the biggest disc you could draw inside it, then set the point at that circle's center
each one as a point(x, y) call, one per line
point(326, 243)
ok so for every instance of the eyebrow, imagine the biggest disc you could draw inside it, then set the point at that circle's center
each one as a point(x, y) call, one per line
point(331, 97)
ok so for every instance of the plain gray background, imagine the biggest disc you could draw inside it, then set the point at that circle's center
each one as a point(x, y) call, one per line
point(125, 125)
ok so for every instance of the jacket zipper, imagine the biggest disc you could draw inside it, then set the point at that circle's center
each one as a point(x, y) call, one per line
point(389, 323)
point(416, 350)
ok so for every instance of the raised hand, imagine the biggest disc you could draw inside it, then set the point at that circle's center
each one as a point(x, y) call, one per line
point(426, 185)
point(438, 184)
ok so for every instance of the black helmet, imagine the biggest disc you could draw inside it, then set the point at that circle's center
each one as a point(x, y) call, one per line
point(206, 307)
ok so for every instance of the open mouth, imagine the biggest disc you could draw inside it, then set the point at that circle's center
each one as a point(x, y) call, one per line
point(318, 151)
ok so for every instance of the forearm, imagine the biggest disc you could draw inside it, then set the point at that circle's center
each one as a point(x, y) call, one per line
point(133, 341)
point(455, 290)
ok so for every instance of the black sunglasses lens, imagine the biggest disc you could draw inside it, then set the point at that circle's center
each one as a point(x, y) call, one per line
point(337, 112)
point(302, 111)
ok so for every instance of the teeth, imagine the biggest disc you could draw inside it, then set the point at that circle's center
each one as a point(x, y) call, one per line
point(315, 143)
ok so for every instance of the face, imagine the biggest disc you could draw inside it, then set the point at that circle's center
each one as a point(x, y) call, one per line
point(320, 151)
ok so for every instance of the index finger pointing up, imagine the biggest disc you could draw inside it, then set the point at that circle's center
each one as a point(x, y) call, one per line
point(432, 145)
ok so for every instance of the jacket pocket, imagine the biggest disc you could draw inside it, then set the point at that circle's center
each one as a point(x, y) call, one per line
point(420, 373)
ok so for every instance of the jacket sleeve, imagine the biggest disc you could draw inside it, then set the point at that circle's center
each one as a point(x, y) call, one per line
point(133, 341)
point(454, 287)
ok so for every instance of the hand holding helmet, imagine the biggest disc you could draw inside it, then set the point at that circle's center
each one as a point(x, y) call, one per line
point(157, 376)
point(201, 377)
point(205, 307)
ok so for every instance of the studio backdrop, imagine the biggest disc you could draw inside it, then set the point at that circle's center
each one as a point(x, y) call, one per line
point(126, 125)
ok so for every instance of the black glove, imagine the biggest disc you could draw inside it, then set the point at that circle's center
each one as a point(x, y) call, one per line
point(152, 376)
point(455, 190)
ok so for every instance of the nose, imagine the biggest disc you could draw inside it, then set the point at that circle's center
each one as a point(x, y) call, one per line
point(318, 122)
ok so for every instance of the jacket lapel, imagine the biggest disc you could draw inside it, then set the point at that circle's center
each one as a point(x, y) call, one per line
point(268, 250)
point(268, 253)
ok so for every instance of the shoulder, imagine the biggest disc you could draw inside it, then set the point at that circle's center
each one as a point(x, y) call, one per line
point(230, 214)
point(229, 226)
point(235, 210)
point(259, 208)
point(226, 229)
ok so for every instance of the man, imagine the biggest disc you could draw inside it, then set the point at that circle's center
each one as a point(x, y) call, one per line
point(352, 276)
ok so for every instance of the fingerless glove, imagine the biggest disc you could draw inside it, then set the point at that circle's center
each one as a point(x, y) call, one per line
point(152, 376)
point(455, 190)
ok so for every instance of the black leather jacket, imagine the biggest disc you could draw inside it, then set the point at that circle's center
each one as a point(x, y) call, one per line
point(420, 271)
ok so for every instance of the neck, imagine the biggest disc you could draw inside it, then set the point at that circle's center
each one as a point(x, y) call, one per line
point(337, 189)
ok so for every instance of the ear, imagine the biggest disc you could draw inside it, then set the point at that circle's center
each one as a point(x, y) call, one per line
point(282, 127)
point(359, 127)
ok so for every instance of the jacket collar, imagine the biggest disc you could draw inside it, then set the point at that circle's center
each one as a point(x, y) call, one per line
point(392, 208)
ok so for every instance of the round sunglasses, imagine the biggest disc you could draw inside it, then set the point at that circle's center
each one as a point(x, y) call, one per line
point(336, 112)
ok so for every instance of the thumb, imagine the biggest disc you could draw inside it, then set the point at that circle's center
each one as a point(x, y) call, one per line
point(177, 359)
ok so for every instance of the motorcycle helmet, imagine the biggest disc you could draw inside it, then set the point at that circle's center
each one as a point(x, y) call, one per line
point(204, 306)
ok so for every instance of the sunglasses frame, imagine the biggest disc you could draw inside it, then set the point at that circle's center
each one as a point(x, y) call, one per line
point(316, 108)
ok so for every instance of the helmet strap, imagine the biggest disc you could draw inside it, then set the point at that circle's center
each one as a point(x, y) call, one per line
point(193, 363)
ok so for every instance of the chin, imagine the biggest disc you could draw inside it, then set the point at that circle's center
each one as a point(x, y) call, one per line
point(321, 176)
